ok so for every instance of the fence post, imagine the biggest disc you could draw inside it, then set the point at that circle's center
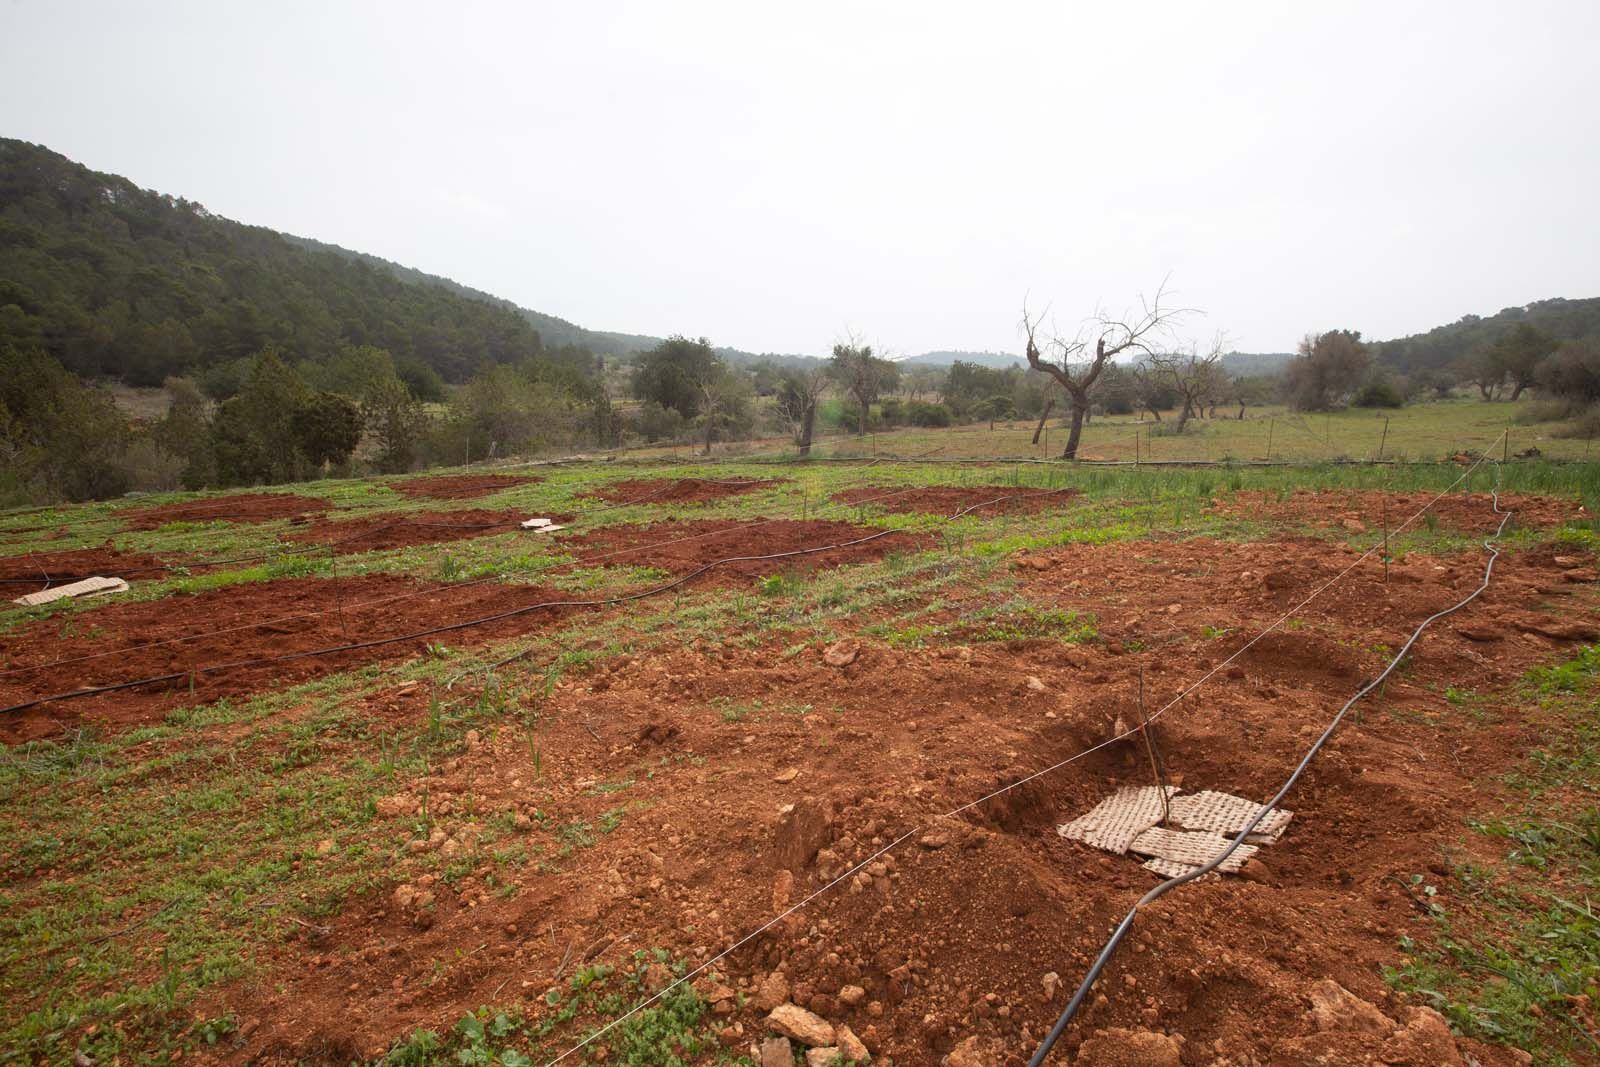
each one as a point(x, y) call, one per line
point(1384, 439)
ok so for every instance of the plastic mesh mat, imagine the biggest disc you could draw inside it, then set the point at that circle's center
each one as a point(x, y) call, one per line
point(1113, 823)
point(1193, 848)
point(1200, 825)
point(1227, 814)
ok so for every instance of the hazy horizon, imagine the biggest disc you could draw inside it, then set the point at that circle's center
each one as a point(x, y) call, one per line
point(907, 172)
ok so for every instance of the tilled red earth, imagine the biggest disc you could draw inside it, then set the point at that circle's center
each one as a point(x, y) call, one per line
point(752, 779)
point(677, 490)
point(373, 533)
point(460, 486)
point(679, 547)
point(240, 507)
point(1361, 510)
point(238, 624)
point(950, 499)
point(20, 575)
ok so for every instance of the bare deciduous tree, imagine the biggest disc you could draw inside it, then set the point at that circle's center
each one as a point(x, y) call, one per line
point(1043, 415)
point(798, 395)
point(1076, 363)
point(1197, 378)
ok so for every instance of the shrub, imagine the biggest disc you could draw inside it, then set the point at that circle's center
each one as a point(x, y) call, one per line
point(58, 437)
point(1572, 374)
point(654, 422)
point(922, 413)
point(1379, 391)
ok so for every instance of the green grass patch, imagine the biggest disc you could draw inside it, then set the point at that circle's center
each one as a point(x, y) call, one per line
point(1517, 949)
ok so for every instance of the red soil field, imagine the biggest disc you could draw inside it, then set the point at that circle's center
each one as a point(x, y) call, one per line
point(240, 507)
point(678, 490)
point(41, 570)
point(681, 546)
point(237, 623)
point(460, 486)
point(954, 935)
point(371, 533)
point(1471, 512)
point(949, 499)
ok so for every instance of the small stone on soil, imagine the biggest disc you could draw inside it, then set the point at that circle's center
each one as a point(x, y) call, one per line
point(776, 1052)
point(841, 653)
point(795, 1022)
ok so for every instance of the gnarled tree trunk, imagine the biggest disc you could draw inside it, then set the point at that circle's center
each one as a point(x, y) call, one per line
point(1045, 414)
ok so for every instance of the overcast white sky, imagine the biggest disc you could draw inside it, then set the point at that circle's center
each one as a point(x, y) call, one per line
point(772, 175)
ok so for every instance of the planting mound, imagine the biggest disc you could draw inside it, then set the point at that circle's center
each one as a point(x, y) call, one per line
point(241, 507)
point(372, 533)
point(460, 486)
point(950, 499)
point(236, 623)
point(737, 783)
point(677, 490)
point(1360, 510)
point(680, 547)
point(20, 575)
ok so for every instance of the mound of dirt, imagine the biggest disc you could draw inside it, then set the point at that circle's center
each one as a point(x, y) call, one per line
point(255, 620)
point(372, 533)
point(786, 772)
point(240, 507)
point(20, 575)
point(680, 547)
point(950, 499)
point(677, 490)
point(460, 486)
point(1360, 511)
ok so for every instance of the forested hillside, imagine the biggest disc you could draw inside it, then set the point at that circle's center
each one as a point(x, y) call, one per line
point(1444, 346)
point(114, 280)
point(554, 332)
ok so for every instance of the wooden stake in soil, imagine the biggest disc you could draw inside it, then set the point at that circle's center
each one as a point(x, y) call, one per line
point(338, 591)
point(1385, 538)
point(1268, 456)
point(1157, 768)
point(1384, 439)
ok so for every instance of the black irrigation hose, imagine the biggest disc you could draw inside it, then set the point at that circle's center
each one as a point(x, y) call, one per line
point(355, 646)
point(1172, 883)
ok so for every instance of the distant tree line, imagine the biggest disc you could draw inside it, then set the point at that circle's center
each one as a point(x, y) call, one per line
point(1446, 347)
point(1337, 368)
point(277, 421)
